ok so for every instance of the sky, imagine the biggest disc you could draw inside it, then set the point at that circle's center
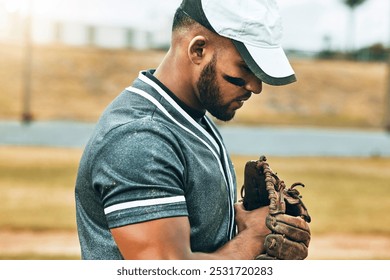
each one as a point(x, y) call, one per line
point(306, 22)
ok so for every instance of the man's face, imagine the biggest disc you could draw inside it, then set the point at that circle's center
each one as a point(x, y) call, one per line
point(221, 94)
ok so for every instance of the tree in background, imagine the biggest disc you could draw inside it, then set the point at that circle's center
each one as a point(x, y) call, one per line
point(352, 4)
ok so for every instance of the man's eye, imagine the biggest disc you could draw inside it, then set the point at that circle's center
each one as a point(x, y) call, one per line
point(235, 81)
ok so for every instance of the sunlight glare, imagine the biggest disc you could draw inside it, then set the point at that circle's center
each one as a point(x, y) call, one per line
point(14, 6)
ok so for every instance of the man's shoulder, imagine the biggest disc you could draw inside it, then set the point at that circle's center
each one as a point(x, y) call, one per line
point(142, 129)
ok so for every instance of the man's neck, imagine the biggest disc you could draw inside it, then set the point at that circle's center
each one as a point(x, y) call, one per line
point(175, 76)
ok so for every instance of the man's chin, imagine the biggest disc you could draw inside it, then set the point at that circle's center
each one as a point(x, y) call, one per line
point(225, 116)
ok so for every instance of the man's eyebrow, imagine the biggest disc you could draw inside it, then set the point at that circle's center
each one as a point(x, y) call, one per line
point(242, 64)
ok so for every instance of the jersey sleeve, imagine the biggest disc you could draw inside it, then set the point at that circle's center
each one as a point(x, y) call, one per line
point(139, 173)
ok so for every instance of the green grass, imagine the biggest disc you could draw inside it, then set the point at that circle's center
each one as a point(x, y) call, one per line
point(343, 195)
point(36, 185)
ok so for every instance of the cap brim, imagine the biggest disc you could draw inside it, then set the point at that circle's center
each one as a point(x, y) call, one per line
point(268, 64)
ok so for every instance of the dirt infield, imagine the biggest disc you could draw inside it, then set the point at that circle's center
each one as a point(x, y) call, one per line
point(31, 244)
point(51, 244)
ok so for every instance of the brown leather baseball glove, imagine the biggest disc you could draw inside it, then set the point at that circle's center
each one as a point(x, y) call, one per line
point(288, 217)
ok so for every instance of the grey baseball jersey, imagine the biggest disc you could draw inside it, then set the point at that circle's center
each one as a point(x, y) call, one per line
point(147, 159)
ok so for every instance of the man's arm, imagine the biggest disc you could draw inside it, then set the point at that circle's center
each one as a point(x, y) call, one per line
point(169, 238)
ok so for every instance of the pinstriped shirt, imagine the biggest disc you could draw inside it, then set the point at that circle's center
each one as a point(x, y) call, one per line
point(149, 159)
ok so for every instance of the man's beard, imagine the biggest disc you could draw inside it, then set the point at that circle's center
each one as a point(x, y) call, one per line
point(210, 95)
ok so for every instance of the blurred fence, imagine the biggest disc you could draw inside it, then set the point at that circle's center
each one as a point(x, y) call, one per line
point(46, 31)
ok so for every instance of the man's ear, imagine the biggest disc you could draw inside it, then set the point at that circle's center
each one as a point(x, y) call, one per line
point(197, 49)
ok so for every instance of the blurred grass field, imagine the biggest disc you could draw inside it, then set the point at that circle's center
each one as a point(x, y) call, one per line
point(37, 187)
point(77, 83)
point(346, 196)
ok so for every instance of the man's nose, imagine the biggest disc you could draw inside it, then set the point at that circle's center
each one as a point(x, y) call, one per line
point(255, 85)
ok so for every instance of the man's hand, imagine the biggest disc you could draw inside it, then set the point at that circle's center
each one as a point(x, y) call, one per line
point(252, 225)
point(254, 219)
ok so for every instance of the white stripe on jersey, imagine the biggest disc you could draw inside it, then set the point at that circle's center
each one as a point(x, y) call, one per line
point(230, 178)
point(142, 203)
point(179, 109)
point(158, 105)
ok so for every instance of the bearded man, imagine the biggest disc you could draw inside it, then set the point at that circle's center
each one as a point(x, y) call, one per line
point(155, 180)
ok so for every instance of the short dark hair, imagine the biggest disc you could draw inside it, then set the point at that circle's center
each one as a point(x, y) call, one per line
point(181, 19)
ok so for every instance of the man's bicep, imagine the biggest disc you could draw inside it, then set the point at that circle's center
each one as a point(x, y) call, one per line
point(167, 238)
point(139, 176)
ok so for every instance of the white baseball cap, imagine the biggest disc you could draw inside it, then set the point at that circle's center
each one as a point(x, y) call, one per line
point(255, 28)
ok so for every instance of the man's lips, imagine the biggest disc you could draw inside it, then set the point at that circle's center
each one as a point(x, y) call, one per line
point(244, 98)
point(240, 101)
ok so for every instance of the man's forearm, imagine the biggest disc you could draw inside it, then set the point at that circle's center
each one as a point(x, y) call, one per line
point(245, 246)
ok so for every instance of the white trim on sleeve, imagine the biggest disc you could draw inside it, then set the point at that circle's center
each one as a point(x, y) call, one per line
point(141, 203)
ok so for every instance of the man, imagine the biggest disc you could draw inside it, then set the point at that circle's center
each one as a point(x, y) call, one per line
point(155, 180)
